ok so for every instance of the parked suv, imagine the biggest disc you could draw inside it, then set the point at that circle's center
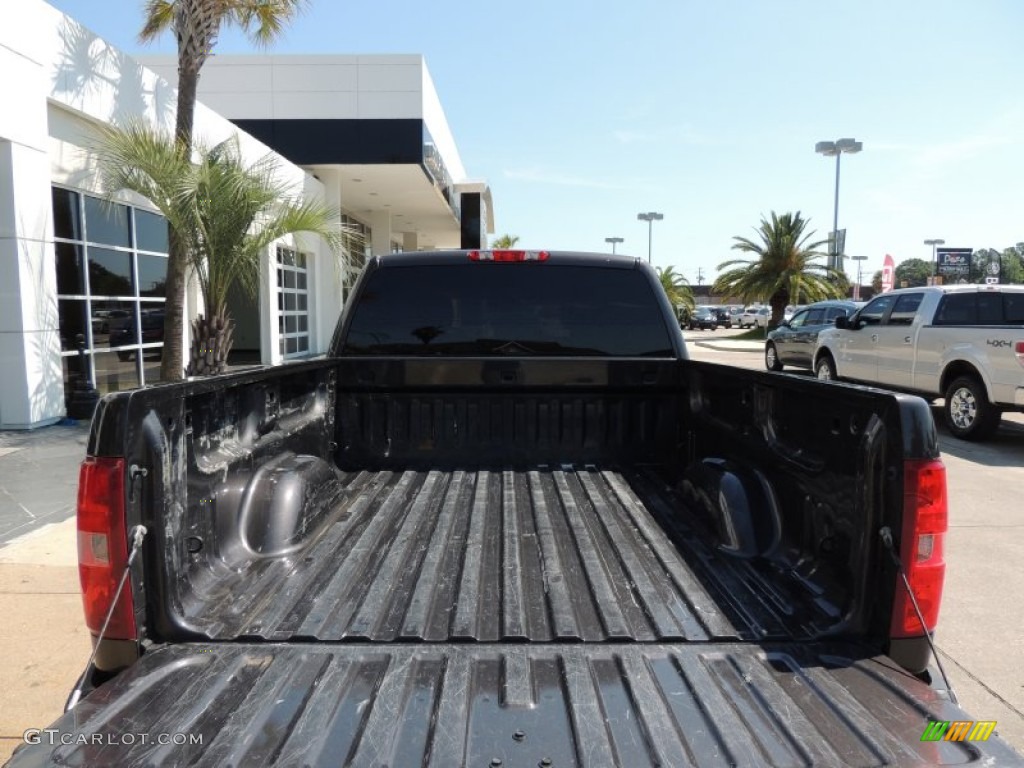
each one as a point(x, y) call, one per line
point(703, 318)
point(755, 317)
point(964, 343)
point(793, 342)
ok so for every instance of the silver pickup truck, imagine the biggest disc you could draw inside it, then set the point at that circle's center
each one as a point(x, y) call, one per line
point(964, 343)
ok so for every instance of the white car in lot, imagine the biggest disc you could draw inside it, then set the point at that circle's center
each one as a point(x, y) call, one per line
point(755, 317)
point(963, 343)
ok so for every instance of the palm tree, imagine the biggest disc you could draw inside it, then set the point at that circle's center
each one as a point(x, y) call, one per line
point(196, 24)
point(224, 213)
point(676, 288)
point(505, 242)
point(784, 266)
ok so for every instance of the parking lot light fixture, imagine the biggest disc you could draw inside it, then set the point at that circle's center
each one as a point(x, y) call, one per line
point(613, 241)
point(650, 217)
point(933, 243)
point(837, 149)
point(856, 289)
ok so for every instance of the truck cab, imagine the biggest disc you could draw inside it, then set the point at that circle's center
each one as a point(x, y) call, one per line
point(964, 343)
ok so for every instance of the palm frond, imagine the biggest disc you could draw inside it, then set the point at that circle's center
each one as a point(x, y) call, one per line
point(264, 20)
point(225, 211)
point(159, 18)
point(785, 263)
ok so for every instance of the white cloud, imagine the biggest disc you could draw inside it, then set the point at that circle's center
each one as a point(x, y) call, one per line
point(544, 176)
point(675, 134)
point(934, 157)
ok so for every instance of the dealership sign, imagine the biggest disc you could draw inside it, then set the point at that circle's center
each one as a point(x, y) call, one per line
point(954, 264)
point(888, 273)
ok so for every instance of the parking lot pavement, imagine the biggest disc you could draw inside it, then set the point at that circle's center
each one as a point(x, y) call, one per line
point(38, 477)
point(43, 639)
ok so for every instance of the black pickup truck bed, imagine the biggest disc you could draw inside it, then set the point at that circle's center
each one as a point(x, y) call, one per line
point(510, 550)
point(521, 704)
point(534, 555)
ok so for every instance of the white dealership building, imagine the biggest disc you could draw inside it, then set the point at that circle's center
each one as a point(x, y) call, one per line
point(367, 134)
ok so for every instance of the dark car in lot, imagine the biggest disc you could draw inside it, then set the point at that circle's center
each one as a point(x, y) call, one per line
point(703, 318)
point(127, 335)
point(723, 316)
point(793, 342)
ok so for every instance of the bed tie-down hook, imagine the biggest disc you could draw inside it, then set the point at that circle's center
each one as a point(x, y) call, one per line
point(135, 473)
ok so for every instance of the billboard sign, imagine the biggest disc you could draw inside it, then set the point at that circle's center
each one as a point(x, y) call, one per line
point(988, 264)
point(888, 273)
point(836, 248)
point(954, 264)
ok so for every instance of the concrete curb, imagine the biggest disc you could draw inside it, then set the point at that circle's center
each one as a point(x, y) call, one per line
point(731, 346)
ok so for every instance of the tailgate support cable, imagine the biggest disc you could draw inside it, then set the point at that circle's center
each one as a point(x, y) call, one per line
point(886, 535)
point(137, 534)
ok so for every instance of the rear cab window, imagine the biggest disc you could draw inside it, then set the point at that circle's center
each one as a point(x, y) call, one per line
point(508, 309)
point(981, 308)
point(1013, 308)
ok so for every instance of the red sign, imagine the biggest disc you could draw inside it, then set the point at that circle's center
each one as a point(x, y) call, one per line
point(888, 273)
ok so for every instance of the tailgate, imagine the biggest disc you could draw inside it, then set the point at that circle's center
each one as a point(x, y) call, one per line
point(509, 705)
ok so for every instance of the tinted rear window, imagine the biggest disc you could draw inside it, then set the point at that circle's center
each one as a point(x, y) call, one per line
point(1013, 306)
point(508, 309)
point(983, 308)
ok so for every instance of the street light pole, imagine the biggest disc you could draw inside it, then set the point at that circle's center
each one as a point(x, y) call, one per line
point(613, 241)
point(856, 288)
point(829, 149)
point(935, 261)
point(650, 217)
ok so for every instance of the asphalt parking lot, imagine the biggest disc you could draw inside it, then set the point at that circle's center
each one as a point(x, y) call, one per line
point(45, 644)
point(981, 622)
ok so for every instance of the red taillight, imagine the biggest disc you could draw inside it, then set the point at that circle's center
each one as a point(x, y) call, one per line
point(103, 546)
point(925, 519)
point(1018, 348)
point(508, 255)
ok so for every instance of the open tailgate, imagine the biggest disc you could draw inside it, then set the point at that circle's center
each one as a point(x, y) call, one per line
point(509, 705)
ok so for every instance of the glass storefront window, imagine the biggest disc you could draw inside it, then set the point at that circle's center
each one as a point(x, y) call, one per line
point(110, 272)
point(109, 291)
point(293, 301)
point(106, 223)
point(67, 221)
point(152, 275)
point(150, 231)
point(71, 319)
point(115, 371)
point(70, 275)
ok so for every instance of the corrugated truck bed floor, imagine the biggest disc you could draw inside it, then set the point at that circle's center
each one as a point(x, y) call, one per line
point(537, 555)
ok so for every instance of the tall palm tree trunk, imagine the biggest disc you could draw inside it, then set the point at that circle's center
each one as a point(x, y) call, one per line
point(195, 29)
point(212, 338)
point(177, 256)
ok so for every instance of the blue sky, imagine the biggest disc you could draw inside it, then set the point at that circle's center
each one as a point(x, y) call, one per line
point(580, 115)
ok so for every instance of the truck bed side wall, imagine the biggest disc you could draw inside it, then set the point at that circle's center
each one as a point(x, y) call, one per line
point(829, 457)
